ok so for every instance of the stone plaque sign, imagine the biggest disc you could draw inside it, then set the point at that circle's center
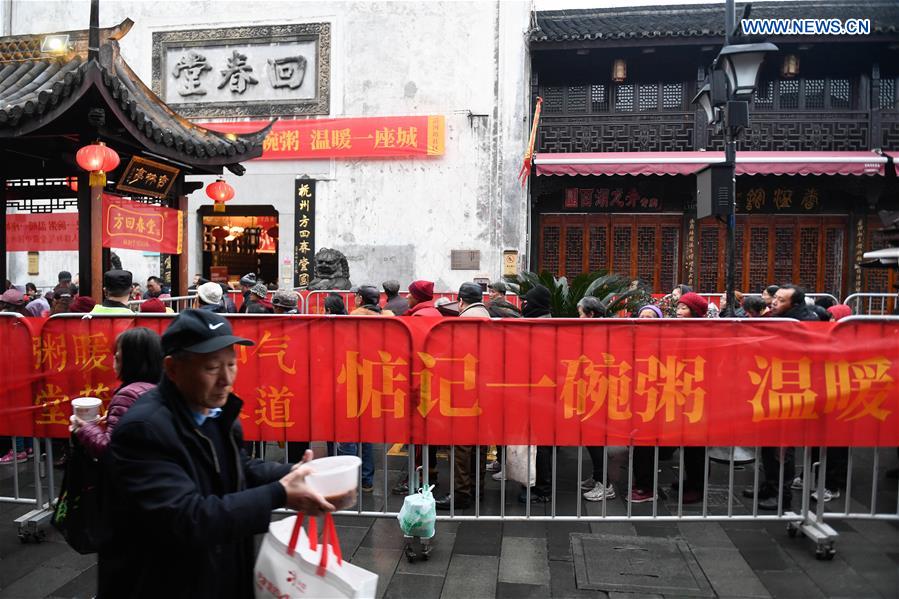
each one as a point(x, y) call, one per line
point(279, 70)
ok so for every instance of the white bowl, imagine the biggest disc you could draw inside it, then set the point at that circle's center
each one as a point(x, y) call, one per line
point(334, 476)
point(87, 408)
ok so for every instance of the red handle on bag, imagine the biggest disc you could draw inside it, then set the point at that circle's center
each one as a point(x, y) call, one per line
point(295, 534)
point(329, 538)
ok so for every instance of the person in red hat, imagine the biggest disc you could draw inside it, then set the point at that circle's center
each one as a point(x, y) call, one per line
point(153, 305)
point(421, 299)
point(839, 311)
point(691, 305)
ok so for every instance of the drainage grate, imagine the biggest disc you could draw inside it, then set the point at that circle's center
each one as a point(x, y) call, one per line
point(637, 565)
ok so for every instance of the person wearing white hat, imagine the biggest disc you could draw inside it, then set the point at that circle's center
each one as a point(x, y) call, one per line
point(209, 297)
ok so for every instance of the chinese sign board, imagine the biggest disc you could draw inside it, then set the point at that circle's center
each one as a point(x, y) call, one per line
point(375, 137)
point(137, 226)
point(244, 71)
point(304, 232)
point(571, 383)
point(782, 199)
point(41, 232)
point(147, 177)
point(616, 199)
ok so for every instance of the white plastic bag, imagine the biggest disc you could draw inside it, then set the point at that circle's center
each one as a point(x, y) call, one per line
point(517, 459)
point(418, 516)
point(313, 570)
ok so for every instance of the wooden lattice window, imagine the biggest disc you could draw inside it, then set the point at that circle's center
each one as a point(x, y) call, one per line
point(789, 94)
point(574, 251)
point(784, 254)
point(673, 96)
point(887, 94)
point(814, 93)
point(808, 257)
point(599, 248)
point(833, 261)
point(763, 99)
point(758, 259)
point(876, 280)
point(577, 98)
point(738, 259)
point(624, 98)
point(839, 93)
point(549, 256)
point(648, 97)
point(646, 254)
point(553, 99)
point(621, 249)
point(709, 259)
point(599, 99)
point(669, 258)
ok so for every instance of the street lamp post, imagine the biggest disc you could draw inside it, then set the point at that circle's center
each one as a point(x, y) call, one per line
point(725, 97)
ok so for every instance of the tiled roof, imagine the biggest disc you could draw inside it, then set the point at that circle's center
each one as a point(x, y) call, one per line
point(689, 21)
point(33, 85)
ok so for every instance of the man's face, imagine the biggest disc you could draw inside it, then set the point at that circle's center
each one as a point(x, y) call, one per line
point(782, 302)
point(153, 287)
point(494, 294)
point(196, 279)
point(205, 380)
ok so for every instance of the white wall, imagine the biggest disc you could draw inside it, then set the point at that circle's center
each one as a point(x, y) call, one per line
point(397, 218)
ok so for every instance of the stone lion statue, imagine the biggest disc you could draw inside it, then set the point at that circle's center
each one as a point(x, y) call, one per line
point(331, 270)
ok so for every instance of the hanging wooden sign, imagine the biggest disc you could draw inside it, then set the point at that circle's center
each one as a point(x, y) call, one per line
point(147, 177)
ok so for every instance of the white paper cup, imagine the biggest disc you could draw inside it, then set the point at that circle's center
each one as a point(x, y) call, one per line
point(334, 476)
point(87, 408)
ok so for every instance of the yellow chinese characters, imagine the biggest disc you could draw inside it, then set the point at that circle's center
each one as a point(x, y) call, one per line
point(428, 382)
point(588, 386)
point(274, 406)
point(374, 385)
point(784, 390)
point(275, 347)
point(52, 352)
point(853, 390)
point(91, 351)
point(50, 400)
point(858, 389)
point(670, 386)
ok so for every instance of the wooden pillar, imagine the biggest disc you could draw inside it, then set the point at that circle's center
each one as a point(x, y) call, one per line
point(96, 241)
point(85, 234)
point(3, 229)
point(181, 264)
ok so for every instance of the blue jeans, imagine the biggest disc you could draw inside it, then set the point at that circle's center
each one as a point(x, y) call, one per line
point(368, 460)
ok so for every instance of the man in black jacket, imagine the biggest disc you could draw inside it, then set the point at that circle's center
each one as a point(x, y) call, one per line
point(185, 500)
point(789, 302)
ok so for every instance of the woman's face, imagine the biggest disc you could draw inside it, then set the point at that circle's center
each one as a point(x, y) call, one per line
point(581, 313)
point(683, 311)
point(647, 314)
point(768, 298)
point(675, 293)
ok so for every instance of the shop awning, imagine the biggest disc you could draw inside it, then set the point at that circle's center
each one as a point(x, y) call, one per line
point(687, 163)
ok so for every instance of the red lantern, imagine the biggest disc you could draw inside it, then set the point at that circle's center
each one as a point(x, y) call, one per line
point(99, 160)
point(220, 192)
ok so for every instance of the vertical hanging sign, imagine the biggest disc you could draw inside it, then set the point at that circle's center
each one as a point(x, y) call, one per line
point(304, 231)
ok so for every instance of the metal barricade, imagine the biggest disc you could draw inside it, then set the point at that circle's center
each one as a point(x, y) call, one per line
point(176, 304)
point(315, 300)
point(877, 304)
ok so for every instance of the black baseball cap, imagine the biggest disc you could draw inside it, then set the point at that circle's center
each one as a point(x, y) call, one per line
point(199, 332)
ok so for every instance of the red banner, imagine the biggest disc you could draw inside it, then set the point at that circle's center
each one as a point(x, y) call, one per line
point(137, 226)
point(547, 382)
point(375, 137)
point(41, 232)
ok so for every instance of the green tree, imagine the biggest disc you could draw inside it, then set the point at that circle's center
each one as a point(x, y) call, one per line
point(613, 290)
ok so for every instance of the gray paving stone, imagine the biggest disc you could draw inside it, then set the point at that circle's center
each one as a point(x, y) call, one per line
point(479, 538)
point(350, 538)
point(563, 582)
point(83, 586)
point(534, 530)
point(657, 529)
point(524, 561)
point(760, 550)
point(558, 538)
point(438, 560)
point(512, 590)
point(622, 529)
point(620, 595)
point(470, 577)
point(385, 533)
point(878, 569)
point(789, 585)
point(382, 562)
point(420, 586)
point(20, 559)
point(728, 572)
point(704, 534)
point(836, 578)
point(39, 583)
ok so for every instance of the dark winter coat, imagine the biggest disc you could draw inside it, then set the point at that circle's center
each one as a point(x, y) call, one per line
point(398, 305)
point(184, 514)
point(500, 308)
point(95, 436)
point(800, 312)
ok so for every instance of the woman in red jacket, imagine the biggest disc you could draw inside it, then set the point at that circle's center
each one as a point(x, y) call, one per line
point(138, 364)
